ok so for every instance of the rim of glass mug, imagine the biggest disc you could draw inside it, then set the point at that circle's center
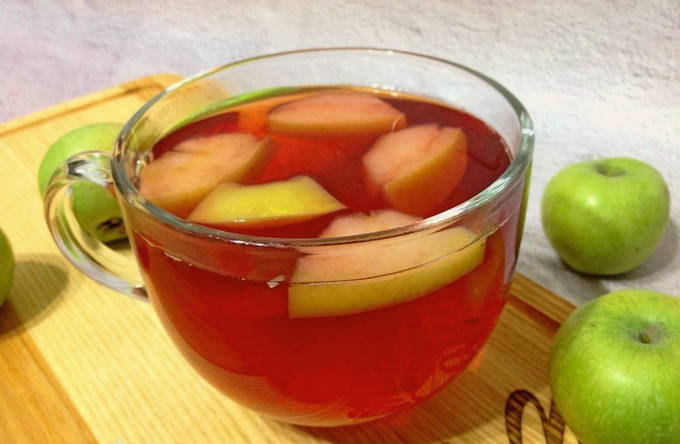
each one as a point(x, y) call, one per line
point(518, 165)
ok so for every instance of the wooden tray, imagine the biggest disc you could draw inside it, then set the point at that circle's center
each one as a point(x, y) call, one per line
point(79, 363)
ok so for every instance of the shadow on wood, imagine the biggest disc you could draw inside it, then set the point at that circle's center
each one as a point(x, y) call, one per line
point(38, 282)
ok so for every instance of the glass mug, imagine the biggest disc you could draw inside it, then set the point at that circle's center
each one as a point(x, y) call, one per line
point(224, 297)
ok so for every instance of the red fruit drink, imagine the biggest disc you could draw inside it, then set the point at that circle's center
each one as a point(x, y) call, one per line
point(324, 341)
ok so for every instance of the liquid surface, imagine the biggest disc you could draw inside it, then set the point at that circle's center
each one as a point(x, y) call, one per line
point(336, 162)
point(229, 309)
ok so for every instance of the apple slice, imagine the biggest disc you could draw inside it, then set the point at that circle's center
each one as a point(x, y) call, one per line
point(265, 205)
point(180, 178)
point(344, 114)
point(416, 168)
point(252, 116)
point(356, 278)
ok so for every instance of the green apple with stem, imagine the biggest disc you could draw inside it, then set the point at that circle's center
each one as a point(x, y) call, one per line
point(615, 369)
point(95, 208)
point(607, 216)
point(6, 267)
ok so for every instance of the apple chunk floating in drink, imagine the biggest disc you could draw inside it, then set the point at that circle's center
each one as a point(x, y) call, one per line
point(345, 332)
point(179, 179)
point(367, 277)
point(265, 205)
point(338, 113)
point(416, 168)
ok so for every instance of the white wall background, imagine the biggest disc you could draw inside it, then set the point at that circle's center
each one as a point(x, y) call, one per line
point(600, 78)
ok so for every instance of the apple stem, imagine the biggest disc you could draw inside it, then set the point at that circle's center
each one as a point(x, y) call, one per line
point(609, 170)
point(650, 334)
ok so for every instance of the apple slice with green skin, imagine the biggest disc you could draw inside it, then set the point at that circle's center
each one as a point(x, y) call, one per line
point(181, 178)
point(356, 278)
point(339, 114)
point(265, 205)
point(418, 167)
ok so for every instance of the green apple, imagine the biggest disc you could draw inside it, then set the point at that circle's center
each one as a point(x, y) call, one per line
point(605, 217)
point(95, 208)
point(615, 369)
point(6, 267)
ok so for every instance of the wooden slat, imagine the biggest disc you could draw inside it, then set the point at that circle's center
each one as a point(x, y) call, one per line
point(540, 298)
point(79, 363)
point(33, 405)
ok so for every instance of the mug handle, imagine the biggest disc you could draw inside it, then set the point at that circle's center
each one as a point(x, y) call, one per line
point(88, 254)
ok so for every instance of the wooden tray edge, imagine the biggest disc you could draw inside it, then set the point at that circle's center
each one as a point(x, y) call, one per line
point(161, 81)
point(539, 298)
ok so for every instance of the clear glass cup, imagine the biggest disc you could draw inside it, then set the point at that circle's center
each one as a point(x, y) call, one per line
point(224, 297)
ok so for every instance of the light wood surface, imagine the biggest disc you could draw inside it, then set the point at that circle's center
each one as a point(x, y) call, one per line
point(79, 363)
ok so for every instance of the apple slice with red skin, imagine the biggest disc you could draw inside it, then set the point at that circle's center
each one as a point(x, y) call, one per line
point(417, 168)
point(265, 205)
point(336, 114)
point(359, 277)
point(179, 179)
